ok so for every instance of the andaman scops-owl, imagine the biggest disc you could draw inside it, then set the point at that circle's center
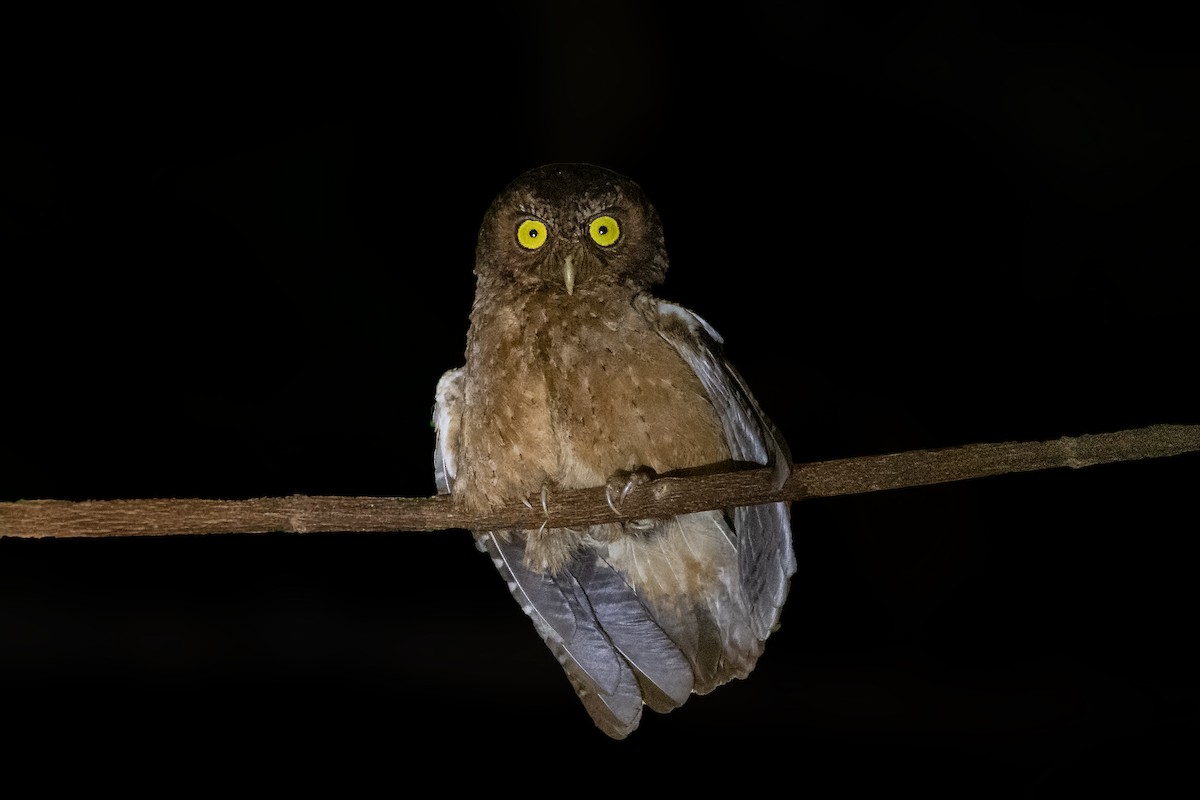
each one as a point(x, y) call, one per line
point(577, 376)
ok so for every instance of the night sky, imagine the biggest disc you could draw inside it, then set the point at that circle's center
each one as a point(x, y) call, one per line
point(236, 257)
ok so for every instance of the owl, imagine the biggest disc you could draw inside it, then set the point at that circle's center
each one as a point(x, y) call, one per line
point(577, 376)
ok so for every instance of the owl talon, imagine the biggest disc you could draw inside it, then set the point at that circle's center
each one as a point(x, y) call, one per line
point(543, 499)
point(622, 483)
point(609, 500)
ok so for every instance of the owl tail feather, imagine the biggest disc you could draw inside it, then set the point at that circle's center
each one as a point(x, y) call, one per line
point(614, 654)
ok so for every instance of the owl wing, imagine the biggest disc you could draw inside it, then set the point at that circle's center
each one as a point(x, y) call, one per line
point(613, 652)
point(447, 417)
point(763, 533)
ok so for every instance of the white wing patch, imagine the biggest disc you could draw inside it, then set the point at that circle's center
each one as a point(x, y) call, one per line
point(689, 318)
point(447, 419)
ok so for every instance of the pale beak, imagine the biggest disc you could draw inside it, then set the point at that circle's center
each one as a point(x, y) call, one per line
point(569, 275)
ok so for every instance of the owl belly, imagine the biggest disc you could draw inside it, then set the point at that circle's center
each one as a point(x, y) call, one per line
point(620, 398)
point(624, 401)
point(585, 391)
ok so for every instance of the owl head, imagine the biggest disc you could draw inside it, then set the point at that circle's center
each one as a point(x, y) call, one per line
point(571, 229)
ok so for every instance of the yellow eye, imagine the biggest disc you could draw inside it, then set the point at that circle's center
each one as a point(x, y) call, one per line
point(605, 231)
point(531, 234)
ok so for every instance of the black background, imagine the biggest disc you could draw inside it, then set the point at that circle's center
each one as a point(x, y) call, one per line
point(237, 256)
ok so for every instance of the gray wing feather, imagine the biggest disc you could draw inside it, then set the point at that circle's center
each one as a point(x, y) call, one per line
point(562, 614)
point(766, 559)
point(660, 667)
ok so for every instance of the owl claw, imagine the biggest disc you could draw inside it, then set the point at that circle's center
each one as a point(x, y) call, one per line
point(545, 505)
point(545, 511)
point(623, 483)
point(608, 498)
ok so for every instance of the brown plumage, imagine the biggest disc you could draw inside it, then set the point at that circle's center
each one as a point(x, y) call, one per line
point(575, 377)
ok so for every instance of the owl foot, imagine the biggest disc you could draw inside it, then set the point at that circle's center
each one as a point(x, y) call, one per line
point(622, 483)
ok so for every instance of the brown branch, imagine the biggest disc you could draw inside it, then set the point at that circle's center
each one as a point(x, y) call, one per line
point(664, 496)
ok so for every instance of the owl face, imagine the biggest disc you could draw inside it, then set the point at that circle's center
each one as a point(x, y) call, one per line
point(570, 229)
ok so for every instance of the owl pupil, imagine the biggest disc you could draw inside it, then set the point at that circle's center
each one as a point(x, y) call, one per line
point(533, 234)
point(603, 230)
